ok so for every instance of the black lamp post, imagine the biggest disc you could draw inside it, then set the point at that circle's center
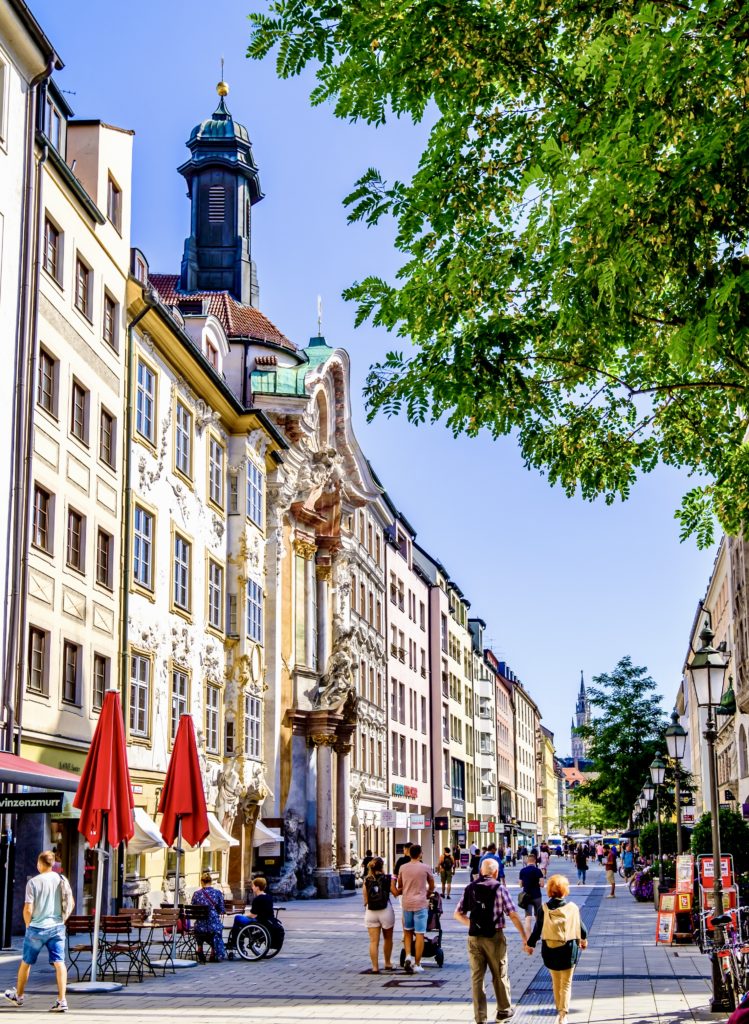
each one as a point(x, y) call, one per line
point(708, 671)
point(676, 745)
point(658, 777)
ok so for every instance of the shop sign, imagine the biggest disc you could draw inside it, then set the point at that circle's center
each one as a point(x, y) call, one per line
point(745, 809)
point(459, 807)
point(427, 822)
point(417, 821)
point(487, 826)
point(441, 824)
point(457, 823)
point(388, 819)
point(687, 816)
point(31, 803)
point(474, 825)
point(462, 842)
point(401, 819)
point(136, 788)
point(410, 792)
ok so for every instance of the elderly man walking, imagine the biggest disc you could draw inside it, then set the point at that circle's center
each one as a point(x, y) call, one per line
point(485, 906)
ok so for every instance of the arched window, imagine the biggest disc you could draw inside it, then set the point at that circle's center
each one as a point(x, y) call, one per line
point(743, 754)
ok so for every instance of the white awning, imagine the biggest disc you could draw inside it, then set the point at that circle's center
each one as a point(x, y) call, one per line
point(218, 837)
point(146, 835)
point(263, 835)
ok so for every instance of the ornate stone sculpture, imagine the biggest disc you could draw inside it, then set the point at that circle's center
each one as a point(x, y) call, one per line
point(296, 877)
point(338, 681)
point(229, 786)
point(257, 785)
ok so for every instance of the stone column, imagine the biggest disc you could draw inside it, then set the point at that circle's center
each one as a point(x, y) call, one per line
point(323, 573)
point(326, 878)
point(343, 813)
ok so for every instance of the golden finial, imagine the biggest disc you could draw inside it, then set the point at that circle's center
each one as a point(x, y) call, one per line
point(222, 88)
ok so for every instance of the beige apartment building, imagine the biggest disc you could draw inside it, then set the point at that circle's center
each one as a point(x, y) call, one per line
point(408, 683)
point(71, 627)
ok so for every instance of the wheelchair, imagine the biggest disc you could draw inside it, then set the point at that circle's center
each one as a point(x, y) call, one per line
point(256, 941)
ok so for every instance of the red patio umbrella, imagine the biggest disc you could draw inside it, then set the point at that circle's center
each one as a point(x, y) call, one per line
point(105, 795)
point(105, 800)
point(182, 802)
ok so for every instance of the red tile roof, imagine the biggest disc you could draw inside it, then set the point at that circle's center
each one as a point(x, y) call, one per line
point(238, 320)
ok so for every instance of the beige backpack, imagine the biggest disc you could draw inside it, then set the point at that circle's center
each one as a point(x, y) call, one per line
point(561, 925)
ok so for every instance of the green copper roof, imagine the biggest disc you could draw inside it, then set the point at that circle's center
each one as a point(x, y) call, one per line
point(221, 125)
point(289, 380)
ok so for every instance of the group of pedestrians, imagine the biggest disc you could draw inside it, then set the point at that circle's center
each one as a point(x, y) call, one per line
point(413, 882)
point(485, 908)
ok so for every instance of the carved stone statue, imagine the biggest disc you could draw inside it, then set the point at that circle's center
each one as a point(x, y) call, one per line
point(338, 681)
point(229, 787)
point(296, 876)
point(257, 785)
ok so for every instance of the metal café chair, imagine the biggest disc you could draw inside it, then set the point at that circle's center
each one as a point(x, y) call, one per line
point(78, 931)
point(160, 939)
point(193, 916)
point(118, 943)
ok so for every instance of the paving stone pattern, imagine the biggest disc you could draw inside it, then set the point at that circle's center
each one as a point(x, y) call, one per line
point(622, 977)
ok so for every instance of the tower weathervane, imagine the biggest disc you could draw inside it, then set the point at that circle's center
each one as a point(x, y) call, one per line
point(222, 88)
point(319, 316)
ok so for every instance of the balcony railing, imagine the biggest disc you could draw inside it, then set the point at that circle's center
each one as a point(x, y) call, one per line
point(401, 653)
point(423, 672)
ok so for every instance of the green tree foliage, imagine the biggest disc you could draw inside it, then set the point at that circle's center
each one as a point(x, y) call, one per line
point(648, 840)
point(734, 838)
point(585, 814)
point(574, 239)
point(625, 735)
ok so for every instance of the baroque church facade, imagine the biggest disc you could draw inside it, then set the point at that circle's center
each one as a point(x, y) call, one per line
point(292, 645)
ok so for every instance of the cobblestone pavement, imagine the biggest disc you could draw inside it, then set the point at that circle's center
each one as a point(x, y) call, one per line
point(318, 976)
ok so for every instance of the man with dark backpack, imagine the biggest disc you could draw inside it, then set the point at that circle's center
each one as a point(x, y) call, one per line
point(447, 870)
point(484, 907)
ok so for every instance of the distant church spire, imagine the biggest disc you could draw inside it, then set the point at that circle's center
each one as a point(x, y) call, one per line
point(580, 744)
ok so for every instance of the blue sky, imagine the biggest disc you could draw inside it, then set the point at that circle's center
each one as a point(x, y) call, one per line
point(562, 584)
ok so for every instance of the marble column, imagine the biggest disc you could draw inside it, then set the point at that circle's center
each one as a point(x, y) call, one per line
point(309, 612)
point(343, 813)
point(323, 640)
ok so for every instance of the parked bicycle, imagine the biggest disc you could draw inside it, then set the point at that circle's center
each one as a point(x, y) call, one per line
point(733, 957)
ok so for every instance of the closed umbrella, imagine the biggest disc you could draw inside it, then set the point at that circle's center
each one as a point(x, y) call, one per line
point(182, 804)
point(105, 800)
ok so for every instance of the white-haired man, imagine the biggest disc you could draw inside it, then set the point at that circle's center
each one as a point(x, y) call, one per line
point(484, 907)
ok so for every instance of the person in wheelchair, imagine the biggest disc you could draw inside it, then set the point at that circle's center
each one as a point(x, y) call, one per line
point(262, 911)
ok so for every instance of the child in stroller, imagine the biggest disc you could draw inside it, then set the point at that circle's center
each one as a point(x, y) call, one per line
point(432, 944)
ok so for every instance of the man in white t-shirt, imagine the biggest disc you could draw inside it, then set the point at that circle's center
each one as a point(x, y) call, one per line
point(45, 926)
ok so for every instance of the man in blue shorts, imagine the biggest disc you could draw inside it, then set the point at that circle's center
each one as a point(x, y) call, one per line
point(48, 902)
point(415, 885)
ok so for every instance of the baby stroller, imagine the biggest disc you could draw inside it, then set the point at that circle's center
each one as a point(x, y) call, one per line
point(432, 944)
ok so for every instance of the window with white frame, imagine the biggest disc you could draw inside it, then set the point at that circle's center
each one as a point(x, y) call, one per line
point(254, 494)
point(140, 694)
point(143, 548)
point(252, 726)
point(216, 472)
point(254, 611)
point(180, 684)
point(183, 440)
point(212, 706)
point(181, 573)
point(215, 595)
point(145, 401)
point(101, 681)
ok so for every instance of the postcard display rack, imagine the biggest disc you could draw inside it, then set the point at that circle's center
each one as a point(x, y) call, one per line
point(674, 918)
point(705, 878)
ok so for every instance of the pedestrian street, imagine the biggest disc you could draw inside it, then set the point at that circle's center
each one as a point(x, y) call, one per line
point(320, 975)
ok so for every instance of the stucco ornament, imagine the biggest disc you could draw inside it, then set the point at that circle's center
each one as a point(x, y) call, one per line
point(338, 681)
point(228, 791)
point(204, 417)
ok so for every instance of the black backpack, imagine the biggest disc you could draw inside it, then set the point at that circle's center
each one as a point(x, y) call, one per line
point(483, 900)
point(447, 863)
point(378, 891)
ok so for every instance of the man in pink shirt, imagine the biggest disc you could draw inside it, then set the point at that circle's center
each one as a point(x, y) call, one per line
point(415, 886)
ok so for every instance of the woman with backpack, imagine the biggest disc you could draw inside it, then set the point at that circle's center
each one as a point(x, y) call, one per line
point(379, 915)
point(446, 867)
point(563, 935)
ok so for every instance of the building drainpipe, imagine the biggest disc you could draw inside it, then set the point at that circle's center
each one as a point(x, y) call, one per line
point(20, 499)
point(126, 559)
